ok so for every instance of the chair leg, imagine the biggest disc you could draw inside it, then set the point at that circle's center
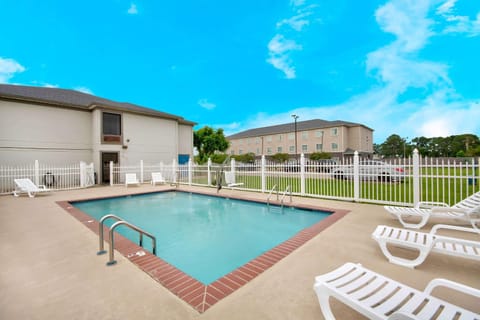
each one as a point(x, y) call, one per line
point(324, 300)
point(418, 225)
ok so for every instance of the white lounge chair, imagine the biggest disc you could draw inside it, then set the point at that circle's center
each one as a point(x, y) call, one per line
point(230, 180)
point(425, 243)
point(378, 297)
point(466, 211)
point(157, 178)
point(131, 178)
point(26, 185)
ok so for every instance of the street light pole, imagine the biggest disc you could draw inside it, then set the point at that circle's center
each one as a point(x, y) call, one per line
point(295, 117)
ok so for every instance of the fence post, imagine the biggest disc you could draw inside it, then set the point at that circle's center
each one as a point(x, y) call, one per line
point(190, 169)
point(37, 173)
point(232, 165)
point(209, 171)
point(111, 173)
point(416, 177)
point(263, 164)
point(302, 174)
point(83, 174)
point(356, 176)
point(141, 171)
point(174, 169)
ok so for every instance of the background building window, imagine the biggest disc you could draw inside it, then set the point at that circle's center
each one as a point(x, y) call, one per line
point(305, 135)
point(291, 149)
point(319, 147)
point(269, 138)
point(291, 136)
point(279, 149)
point(334, 146)
point(334, 132)
point(319, 133)
point(304, 148)
point(269, 150)
point(280, 137)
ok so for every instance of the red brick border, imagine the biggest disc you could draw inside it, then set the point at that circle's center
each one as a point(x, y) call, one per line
point(200, 296)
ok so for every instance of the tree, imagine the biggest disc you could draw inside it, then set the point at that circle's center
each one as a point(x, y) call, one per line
point(246, 158)
point(393, 146)
point(319, 155)
point(208, 141)
point(280, 157)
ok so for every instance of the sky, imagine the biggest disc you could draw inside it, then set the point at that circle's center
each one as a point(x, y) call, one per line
point(406, 67)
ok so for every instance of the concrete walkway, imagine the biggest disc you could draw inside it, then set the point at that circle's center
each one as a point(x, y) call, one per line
point(49, 268)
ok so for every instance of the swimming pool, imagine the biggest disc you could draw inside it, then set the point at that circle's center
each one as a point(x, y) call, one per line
point(205, 237)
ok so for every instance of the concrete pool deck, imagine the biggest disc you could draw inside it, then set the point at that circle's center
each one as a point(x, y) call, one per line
point(49, 267)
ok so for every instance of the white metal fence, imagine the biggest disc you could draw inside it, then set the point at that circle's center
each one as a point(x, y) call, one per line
point(397, 181)
point(54, 177)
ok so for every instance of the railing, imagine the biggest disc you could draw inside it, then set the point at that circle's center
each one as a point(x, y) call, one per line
point(285, 194)
point(111, 232)
point(270, 194)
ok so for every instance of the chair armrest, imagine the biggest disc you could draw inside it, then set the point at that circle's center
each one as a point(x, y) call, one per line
point(451, 285)
point(42, 186)
point(430, 204)
point(449, 209)
point(451, 227)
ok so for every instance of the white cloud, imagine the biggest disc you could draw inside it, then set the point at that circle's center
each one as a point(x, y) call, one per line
point(204, 103)
point(296, 22)
point(8, 68)
point(83, 89)
point(455, 23)
point(297, 3)
point(279, 50)
point(133, 9)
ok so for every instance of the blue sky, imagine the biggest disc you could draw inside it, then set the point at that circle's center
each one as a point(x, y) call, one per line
point(409, 67)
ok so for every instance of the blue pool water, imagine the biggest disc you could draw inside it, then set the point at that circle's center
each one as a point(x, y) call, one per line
point(205, 237)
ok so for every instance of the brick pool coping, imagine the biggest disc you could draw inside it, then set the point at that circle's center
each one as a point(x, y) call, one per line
point(201, 297)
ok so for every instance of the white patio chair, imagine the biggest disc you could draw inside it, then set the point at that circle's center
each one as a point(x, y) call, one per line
point(230, 180)
point(157, 178)
point(26, 185)
point(466, 211)
point(131, 179)
point(425, 243)
point(378, 297)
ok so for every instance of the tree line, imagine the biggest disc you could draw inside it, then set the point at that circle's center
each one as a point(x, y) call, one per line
point(464, 145)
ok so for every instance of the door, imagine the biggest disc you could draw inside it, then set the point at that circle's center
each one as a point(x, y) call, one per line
point(106, 158)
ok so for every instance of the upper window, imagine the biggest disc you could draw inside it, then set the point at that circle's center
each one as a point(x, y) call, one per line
point(112, 127)
point(305, 135)
point(334, 132)
point(291, 136)
point(318, 133)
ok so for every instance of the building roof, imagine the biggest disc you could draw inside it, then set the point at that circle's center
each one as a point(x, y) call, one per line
point(290, 127)
point(77, 100)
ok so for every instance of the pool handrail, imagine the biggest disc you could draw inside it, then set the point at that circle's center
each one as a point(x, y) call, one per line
point(289, 190)
point(112, 261)
point(101, 249)
point(270, 194)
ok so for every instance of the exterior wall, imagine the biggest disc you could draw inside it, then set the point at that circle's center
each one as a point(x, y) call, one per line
point(49, 134)
point(185, 140)
point(355, 138)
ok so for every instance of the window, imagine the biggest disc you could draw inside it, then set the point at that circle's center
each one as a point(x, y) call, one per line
point(291, 149)
point(334, 146)
point(257, 140)
point(305, 135)
point(232, 152)
point(334, 132)
point(280, 137)
point(318, 133)
point(112, 127)
point(291, 136)
point(269, 150)
point(279, 149)
point(258, 150)
point(240, 151)
point(304, 148)
point(319, 147)
point(269, 138)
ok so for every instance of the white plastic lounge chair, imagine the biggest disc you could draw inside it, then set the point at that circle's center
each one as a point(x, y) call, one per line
point(157, 178)
point(378, 297)
point(466, 211)
point(131, 178)
point(230, 180)
point(26, 185)
point(425, 243)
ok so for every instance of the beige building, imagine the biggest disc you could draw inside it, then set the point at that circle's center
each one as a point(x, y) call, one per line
point(61, 126)
point(338, 138)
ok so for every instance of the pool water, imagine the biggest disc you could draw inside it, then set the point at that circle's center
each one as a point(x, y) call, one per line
point(204, 236)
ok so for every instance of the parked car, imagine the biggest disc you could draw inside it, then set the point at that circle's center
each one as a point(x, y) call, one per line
point(371, 170)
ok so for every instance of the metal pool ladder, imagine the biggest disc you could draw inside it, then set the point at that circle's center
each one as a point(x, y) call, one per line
point(270, 194)
point(120, 222)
